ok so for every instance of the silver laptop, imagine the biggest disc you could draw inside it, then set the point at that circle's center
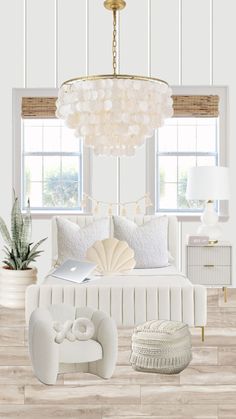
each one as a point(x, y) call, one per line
point(74, 270)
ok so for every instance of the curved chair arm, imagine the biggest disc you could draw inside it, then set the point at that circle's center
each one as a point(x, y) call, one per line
point(44, 351)
point(106, 335)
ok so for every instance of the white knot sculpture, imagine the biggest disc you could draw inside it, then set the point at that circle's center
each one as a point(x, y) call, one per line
point(80, 329)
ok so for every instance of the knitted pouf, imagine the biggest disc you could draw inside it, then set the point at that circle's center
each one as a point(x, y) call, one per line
point(162, 346)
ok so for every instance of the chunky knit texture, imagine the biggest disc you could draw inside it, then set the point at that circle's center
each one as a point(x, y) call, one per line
point(148, 241)
point(162, 346)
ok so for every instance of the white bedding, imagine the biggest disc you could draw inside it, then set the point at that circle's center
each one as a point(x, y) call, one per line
point(168, 276)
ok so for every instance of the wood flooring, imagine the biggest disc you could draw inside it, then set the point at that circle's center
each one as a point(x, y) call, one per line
point(205, 390)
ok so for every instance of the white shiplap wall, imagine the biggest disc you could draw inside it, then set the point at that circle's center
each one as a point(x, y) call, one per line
point(44, 42)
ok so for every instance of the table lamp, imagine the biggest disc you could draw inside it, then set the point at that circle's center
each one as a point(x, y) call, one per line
point(208, 183)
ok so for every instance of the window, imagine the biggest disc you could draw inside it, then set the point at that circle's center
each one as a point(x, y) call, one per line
point(183, 143)
point(51, 166)
point(195, 135)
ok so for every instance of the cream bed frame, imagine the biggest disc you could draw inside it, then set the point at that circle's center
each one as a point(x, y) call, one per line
point(128, 305)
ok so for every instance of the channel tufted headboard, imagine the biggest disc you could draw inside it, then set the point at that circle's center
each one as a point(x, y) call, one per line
point(83, 220)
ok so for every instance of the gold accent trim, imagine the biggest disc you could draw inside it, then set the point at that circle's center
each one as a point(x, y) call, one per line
point(202, 332)
point(224, 289)
point(114, 4)
point(114, 43)
point(114, 76)
point(211, 242)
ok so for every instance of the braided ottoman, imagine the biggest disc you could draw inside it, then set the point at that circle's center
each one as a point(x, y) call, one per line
point(161, 346)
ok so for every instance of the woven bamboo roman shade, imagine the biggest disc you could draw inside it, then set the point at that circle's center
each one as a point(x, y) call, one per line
point(38, 107)
point(196, 106)
point(184, 106)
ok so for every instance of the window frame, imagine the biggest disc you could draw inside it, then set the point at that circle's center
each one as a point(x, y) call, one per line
point(151, 152)
point(18, 154)
point(177, 154)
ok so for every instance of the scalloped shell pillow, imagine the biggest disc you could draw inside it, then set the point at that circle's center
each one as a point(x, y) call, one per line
point(112, 256)
point(149, 241)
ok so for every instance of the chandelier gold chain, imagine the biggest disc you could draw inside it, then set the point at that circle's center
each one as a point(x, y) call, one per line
point(114, 43)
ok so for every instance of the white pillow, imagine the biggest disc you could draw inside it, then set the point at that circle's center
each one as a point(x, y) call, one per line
point(74, 241)
point(149, 241)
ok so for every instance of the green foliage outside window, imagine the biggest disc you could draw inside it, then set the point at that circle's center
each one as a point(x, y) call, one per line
point(59, 190)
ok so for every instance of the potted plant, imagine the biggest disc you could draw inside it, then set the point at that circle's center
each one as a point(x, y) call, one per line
point(17, 273)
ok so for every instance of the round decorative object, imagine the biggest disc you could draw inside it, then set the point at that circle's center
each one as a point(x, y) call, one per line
point(162, 346)
point(114, 4)
point(114, 115)
point(13, 284)
point(112, 256)
point(83, 328)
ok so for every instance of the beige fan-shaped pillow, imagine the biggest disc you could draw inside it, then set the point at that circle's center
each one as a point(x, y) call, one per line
point(112, 256)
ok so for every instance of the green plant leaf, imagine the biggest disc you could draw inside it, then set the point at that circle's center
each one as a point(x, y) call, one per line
point(10, 262)
point(18, 251)
point(16, 226)
point(37, 245)
point(5, 233)
point(27, 227)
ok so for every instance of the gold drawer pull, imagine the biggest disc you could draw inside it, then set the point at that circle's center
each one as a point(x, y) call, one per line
point(208, 266)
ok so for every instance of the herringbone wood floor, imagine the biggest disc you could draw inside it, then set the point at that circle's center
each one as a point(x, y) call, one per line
point(205, 390)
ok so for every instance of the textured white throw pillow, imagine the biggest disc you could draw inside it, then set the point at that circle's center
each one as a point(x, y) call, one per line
point(149, 241)
point(74, 241)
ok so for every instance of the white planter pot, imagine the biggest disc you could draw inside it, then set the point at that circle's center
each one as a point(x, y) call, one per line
point(13, 285)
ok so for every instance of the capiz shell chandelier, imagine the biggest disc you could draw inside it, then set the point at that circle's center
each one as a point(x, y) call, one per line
point(114, 113)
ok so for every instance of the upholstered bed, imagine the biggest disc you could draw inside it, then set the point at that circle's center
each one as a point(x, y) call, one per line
point(143, 294)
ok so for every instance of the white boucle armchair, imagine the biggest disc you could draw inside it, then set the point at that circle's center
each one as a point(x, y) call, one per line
point(96, 355)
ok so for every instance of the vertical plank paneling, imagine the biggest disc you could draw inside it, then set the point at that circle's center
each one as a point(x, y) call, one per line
point(100, 38)
point(165, 40)
point(12, 75)
point(41, 54)
point(224, 70)
point(133, 177)
point(41, 71)
point(71, 39)
point(134, 33)
point(104, 185)
point(104, 179)
point(195, 64)
point(196, 41)
point(134, 59)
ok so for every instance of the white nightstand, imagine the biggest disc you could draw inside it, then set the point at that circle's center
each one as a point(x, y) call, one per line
point(210, 265)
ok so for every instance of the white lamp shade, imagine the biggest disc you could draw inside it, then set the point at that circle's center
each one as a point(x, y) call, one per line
point(208, 183)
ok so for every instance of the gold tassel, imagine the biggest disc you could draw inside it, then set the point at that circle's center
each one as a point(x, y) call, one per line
point(138, 209)
point(96, 208)
point(110, 210)
point(123, 211)
point(84, 202)
point(148, 202)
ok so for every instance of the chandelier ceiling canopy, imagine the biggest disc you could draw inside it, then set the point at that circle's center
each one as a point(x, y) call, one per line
point(114, 113)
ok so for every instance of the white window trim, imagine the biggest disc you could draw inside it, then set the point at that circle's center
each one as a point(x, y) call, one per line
point(17, 155)
point(222, 92)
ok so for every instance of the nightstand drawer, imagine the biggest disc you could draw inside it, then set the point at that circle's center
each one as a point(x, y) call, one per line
point(210, 275)
point(212, 255)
